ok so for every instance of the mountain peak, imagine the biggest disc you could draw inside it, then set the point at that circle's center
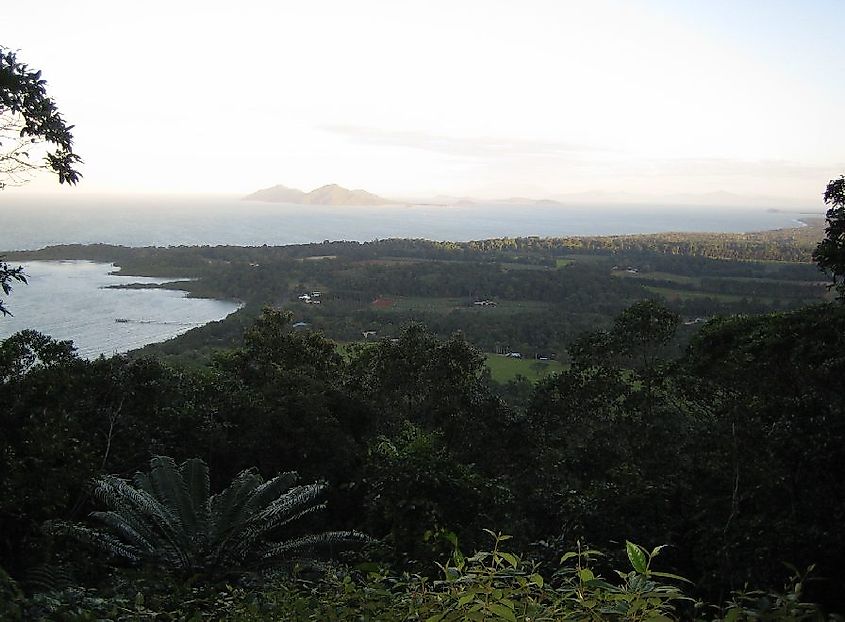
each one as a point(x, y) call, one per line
point(330, 194)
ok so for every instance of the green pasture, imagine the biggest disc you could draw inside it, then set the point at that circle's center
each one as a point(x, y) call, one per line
point(411, 304)
point(671, 293)
point(658, 276)
point(685, 294)
point(507, 265)
point(504, 369)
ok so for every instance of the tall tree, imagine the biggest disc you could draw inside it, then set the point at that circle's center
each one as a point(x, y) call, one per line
point(29, 122)
point(830, 253)
point(29, 118)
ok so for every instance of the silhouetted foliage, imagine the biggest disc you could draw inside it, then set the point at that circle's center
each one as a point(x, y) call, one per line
point(8, 275)
point(29, 116)
point(830, 253)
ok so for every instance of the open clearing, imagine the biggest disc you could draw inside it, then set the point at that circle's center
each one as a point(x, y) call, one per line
point(504, 369)
point(409, 304)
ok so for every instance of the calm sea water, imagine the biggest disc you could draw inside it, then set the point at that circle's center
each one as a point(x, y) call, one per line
point(67, 301)
point(30, 222)
point(70, 300)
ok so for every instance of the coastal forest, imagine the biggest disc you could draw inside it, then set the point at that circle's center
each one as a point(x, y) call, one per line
point(609, 428)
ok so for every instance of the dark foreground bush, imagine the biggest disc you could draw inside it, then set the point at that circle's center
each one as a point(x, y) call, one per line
point(490, 585)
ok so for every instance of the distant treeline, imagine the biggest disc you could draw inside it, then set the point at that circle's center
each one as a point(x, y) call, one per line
point(794, 244)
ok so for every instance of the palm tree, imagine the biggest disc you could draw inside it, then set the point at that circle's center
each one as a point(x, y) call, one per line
point(169, 519)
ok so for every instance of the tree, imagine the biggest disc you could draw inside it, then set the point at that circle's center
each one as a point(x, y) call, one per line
point(169, 519)
point(830, 253)
point(8, 274)
point(637, 339)
point(280, 405)
point(29, 118)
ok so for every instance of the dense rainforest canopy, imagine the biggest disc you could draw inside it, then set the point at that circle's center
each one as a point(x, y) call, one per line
point(731, 453)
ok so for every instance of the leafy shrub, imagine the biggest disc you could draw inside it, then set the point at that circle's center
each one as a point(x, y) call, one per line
point(492, 585)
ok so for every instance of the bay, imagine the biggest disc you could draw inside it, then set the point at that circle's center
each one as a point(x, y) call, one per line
point(73, 300)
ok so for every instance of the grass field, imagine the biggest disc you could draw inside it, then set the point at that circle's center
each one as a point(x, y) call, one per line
point(587, 258)
point(506, 266)
point(685, 294)
point(671, 293)
point(405, 304)
point(658, 276)
point(696, 281)
point(504, 369)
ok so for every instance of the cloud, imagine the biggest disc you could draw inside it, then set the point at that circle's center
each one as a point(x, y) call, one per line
point(599, 159)
point(480, 147)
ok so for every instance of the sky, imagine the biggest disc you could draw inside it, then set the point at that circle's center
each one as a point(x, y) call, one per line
point(480, 98)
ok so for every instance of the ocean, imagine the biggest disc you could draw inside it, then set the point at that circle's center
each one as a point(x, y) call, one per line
point(31, 221)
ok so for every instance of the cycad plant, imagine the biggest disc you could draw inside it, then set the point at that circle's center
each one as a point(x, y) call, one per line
point(169, 519)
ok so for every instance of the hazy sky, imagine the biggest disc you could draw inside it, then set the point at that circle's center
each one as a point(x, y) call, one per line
point(405, 98)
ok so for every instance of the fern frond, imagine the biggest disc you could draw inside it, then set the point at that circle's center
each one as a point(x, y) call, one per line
point(293, 502)
point(172, 492)
point(251, 534)
point(286, 508)
point(94, 538)
point(276, 551)
point(271, 490)
point(125, 529)
point(118, 494)
point(194, 473)
point(143, 482)
point(136, 515)
point(48, 578)
point(227, 506)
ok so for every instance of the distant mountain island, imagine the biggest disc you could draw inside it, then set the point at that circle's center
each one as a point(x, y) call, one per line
point(331, 194)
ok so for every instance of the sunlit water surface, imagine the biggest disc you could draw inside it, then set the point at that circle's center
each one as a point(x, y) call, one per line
point(71, 300)
point(30, 222)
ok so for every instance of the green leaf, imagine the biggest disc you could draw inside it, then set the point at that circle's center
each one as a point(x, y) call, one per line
point(668, 575)
point(511, 559)
point(656, 550)
point(537, 579)
point(636, 557)
point(502, 612)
